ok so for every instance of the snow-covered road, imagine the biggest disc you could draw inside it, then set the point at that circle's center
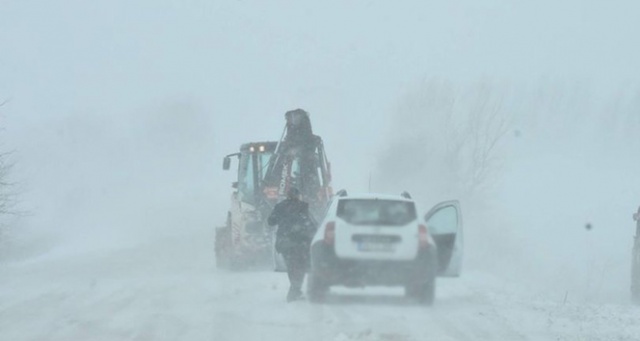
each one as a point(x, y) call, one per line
point(169, 289)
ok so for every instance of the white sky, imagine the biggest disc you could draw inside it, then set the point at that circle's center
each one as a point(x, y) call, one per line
point(237, 66)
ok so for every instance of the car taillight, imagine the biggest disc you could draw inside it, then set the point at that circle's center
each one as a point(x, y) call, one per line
point(423, 236)
point(330, 233)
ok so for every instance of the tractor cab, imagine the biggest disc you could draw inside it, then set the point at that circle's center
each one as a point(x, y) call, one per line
point(252, 167)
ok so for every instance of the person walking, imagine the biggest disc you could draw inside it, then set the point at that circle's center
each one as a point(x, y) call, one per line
point(296, 228)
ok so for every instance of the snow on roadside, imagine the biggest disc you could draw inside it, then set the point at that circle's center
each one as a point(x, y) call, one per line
point(169, 289)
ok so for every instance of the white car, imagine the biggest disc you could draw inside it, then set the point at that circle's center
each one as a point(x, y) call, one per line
point(373, 239)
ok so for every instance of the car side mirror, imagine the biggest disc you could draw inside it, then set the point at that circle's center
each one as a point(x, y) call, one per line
point(635, 216)
point(234, 185)
point(226, 163)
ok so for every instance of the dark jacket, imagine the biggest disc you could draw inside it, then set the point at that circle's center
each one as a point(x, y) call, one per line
point(295, 224)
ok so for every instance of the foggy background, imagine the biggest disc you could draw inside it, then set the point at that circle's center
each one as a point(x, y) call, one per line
point(120, 112)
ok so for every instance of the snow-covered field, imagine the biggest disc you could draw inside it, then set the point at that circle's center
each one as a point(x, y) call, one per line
point(169, 289)
point(119, 113)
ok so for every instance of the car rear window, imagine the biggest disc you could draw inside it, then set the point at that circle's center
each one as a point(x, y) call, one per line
point(376, 212)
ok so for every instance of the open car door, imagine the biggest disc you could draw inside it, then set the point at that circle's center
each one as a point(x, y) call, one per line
point(444, 222)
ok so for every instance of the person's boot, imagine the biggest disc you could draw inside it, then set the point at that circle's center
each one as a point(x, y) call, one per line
point(294, 295)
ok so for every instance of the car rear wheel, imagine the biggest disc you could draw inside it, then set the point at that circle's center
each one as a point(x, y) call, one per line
point(635, 273)
point(424, 293)
point(317, 289)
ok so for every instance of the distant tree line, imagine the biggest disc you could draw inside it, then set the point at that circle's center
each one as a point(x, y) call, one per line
point(7, 194)
point(450, 141)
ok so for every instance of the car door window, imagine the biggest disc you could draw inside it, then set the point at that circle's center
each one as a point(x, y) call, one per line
point(444, 221)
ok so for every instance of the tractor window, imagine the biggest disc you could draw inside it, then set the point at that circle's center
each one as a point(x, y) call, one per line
point(245, 185)
point(263, 163)
point(295, 173)
point(318, 166)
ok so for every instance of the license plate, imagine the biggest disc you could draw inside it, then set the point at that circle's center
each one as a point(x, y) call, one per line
point(375, 247)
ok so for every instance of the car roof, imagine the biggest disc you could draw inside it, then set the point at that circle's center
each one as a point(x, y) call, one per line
point(373, 196)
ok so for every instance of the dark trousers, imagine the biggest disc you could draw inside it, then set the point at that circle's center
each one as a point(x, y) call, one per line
point(297, 260)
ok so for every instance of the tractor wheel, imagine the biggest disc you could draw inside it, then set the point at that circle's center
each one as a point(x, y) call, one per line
point(223, 247)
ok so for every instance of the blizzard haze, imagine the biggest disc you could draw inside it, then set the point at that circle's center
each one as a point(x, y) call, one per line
point(118, 114)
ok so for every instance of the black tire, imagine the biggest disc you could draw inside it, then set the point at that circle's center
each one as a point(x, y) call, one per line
point(635, 273)
point(317, 289)
point(635, 288)
point(635, 285)
point(223, 240)
point(225, 257)
point(234, 264)
point(424, 293)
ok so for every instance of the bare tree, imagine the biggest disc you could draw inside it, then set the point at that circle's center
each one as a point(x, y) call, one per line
point(451, 142)
point(488, 124)
point(7, 195)
point(446, 141)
